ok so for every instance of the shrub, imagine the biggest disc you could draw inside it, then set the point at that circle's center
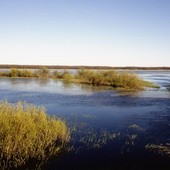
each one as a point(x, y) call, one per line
point(28, 134)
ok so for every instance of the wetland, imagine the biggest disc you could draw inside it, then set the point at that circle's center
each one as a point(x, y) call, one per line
point(108, 128)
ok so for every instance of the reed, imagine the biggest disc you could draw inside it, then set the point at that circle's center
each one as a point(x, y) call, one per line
point(125, 81)
point(121, 80)
point(42, 72)
point(28, 134)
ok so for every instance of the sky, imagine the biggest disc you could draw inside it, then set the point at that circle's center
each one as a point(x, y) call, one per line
point(85, 32)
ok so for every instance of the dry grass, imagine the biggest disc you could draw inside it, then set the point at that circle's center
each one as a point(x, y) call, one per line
point(123, 81)
point(27, 133)
point(160, 149)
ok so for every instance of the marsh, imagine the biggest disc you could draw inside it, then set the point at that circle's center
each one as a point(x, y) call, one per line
point(108, 128)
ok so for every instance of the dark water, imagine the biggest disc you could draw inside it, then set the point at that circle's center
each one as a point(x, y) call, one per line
point(110, 130)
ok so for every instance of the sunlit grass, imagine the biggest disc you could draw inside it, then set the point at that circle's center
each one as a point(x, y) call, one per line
point(27, 133)
point(136, 127)
point(122, 81)
point(42, 72)
point(13, 72)
point(160, 149)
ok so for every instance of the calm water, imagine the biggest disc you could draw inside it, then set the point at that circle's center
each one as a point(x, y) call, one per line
point(109, 129)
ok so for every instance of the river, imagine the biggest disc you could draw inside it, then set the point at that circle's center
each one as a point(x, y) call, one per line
point(110, 129)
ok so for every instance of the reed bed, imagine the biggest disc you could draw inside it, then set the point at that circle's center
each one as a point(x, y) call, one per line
point(28, 134)
point(115, 79)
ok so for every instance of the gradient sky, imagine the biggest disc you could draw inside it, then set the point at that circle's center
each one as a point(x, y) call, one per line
point(85, 32)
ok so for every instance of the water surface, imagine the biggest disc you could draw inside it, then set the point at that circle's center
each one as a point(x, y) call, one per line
point(109, 129)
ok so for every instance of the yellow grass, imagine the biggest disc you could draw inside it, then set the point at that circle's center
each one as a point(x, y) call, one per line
point(28, 133)
point(123, 81)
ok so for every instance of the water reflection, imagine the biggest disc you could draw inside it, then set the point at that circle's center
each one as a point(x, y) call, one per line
point(43, 82)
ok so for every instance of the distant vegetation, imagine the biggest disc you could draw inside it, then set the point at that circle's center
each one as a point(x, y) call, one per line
point(115, 79)
point(17, 73)
point(28, 135)
point(160, 149)
point(81, 67)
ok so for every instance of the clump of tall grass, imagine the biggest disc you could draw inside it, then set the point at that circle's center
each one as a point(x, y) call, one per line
point(56, 74)
point(26, 73)
point(111, 78)
point(13, 72)
point(28, 134)
point(65, 75)
point(90, 77)
point(160, 149)
point(42, 72)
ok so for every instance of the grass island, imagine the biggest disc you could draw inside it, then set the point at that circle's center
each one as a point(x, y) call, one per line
point(120, 80)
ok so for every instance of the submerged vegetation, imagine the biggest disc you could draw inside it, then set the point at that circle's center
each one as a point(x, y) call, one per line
point(160, 149)
point(28, 134)
point(121, 80)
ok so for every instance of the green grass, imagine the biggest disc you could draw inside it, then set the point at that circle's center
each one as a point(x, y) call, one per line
point(120, 80)
point(28, 134)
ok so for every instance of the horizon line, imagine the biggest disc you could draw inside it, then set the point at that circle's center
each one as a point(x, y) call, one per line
point(29, 66)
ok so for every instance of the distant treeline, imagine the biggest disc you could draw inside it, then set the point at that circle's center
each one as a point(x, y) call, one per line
point(80, 67)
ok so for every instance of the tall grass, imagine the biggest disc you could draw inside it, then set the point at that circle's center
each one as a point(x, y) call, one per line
point(13, 72)
point(123, 81)
point(42, 72)
point(65, 75)
point(28, 134)
point(112, 78)
point(160, 149)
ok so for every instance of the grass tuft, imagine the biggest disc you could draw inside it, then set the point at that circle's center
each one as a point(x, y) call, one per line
point(28, 134)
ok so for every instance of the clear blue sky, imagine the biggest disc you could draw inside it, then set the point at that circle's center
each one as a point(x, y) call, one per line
point(85, 32)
